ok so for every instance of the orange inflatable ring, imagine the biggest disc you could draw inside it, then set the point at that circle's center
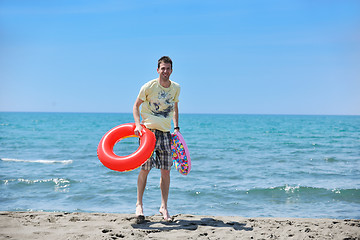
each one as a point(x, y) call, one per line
point(125, 163)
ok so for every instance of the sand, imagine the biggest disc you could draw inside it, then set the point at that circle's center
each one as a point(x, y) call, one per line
point(62, 225)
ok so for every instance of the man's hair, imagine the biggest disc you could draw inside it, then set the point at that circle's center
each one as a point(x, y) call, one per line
point(164, 59)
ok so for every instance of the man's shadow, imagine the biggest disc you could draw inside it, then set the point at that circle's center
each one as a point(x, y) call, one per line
point(181, 224)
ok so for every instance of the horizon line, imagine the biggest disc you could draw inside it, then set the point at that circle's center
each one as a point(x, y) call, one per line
point(188, 113)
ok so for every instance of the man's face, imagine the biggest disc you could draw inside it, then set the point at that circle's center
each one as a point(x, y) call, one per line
point(164, 70)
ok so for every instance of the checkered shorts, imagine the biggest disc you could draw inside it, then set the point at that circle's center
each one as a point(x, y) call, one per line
point(161, 157)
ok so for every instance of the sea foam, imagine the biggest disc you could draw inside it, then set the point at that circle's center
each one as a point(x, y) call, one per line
point(37, 161)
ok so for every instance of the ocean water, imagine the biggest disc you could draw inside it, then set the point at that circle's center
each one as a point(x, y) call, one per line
point(242, 165)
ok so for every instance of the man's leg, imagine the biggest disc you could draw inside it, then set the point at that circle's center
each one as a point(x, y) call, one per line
point(141, 184)
point(164, 186)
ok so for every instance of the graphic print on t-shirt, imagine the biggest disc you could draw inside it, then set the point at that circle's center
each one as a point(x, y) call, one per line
point(163, 106)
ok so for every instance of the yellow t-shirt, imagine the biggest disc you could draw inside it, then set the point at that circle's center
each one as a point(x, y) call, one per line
point(158, 107)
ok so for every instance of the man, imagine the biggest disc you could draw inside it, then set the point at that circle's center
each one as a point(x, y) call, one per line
point(159, 99)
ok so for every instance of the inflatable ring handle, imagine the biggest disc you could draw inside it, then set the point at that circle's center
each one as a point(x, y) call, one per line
point(110, 160)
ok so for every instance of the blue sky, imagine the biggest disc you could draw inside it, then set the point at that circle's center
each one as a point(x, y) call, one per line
point(251, 57)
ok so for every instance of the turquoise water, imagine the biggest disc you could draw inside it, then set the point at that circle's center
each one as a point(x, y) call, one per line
point(242, 165)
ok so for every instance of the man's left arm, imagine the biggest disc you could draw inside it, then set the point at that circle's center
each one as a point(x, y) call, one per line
point(176, 116)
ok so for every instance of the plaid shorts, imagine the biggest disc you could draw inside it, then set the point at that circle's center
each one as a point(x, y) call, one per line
point(162, 156)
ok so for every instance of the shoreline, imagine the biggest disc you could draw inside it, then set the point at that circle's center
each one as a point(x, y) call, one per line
point(81, 225)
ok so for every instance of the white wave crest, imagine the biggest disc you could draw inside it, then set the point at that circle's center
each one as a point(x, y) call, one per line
point(37, 161)
point(61, 184)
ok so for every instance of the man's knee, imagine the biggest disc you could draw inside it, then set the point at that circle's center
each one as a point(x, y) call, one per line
point(165, 173)
point(143, 173)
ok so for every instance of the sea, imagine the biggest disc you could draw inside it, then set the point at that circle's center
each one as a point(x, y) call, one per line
point(242, 165)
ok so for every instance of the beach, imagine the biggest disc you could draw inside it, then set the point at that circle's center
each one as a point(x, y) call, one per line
point(64, 225)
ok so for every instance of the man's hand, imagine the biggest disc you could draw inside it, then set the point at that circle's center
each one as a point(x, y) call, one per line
point(138, 130)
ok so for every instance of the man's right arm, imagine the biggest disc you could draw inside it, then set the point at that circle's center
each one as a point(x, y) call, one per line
point(136, 113)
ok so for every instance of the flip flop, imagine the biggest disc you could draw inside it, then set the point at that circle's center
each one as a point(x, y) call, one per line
point(140, 219)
